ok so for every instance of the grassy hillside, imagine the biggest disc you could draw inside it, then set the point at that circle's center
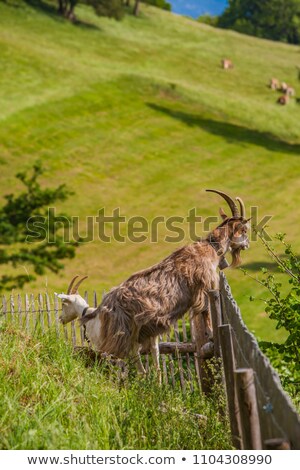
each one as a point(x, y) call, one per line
point(139, 115)
point(45, 390)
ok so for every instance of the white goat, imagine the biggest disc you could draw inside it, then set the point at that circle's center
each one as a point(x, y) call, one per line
point(75, 307)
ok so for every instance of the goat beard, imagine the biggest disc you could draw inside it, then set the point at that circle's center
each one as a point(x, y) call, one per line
point(236, 257)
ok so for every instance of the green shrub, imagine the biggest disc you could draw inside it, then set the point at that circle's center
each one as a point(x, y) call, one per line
point(284, 308)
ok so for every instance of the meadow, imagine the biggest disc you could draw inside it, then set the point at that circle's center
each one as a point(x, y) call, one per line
point(52, 399)
point(139, 115)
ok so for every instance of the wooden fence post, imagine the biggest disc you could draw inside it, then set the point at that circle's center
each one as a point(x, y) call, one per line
point(26, 302)
point(33, 311)
point(179, 359)
point(12, 307)
point(246, 394)
point(4, 307)
point(277, 444)
point(20, 310)
point(201, 334)
point(48, 309)
point(188, 362)
point(216, 319)
point(229, 366)
point(56, 316)
point(41, 312)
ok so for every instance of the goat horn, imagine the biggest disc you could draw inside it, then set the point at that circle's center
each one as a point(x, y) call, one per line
point(75, 288)
point(242, 207)
point(230, 202)
point(71, 284)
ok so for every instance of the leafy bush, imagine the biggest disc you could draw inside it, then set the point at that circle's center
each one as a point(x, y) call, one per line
point(208, 19)
point(160, 4)
point(284, 308)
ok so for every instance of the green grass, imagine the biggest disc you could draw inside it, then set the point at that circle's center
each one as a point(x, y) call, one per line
point(139, 115)
point(52, 400)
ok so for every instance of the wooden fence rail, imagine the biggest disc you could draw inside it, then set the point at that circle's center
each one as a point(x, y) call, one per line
point(261, 414)
point(277, 418)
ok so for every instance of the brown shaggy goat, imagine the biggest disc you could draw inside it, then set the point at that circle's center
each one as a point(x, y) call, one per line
point(283, 100)
point(136, 312)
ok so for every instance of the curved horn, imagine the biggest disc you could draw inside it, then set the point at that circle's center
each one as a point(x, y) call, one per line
point(71, 284)
point(75, 288)
point(242, 207)
point(230, 202)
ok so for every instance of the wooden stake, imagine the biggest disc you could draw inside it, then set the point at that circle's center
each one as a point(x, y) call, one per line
point(56, 308)
point(229, 366)
point(179, 359)
point(187, 356)
point(277, 444)
point(216, 318)
point(201, 332)
point(41, 312)
point(171, 365)
point(20, 310)
point(4, 306)
point(27, 313)
point(48, 310)
point(164, 366)
point(12, 307)
point(246, 394)
point(33, 311)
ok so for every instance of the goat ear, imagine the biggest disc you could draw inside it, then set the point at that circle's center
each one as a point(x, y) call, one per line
point(222, 214)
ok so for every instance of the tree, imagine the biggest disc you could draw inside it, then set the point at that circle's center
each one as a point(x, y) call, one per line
point(273, 19)
point(110, 8)
point(136, 7)
point(66, 8)
point(159, 4)
point(24, 215)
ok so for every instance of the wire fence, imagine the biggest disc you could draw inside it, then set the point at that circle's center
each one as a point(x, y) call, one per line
point(278, 419)
point(185, 352)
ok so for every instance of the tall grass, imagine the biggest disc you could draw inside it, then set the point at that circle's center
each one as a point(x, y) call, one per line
point(139, 115)
point(51, 399)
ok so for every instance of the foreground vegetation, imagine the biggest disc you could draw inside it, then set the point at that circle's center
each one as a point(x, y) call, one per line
point(284, 308)
point(138, 115)
point(52, 400)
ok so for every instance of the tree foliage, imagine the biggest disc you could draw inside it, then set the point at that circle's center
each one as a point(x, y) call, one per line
point(208, 19)
point(19, 217)
point(160, 4)
point(110, 8)
point(272, 19)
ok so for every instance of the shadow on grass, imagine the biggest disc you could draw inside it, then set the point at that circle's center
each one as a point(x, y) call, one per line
point(258, 265)
point(230, 132)
point(52, 11)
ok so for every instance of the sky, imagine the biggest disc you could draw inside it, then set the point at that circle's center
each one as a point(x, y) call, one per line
point(196, 8)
